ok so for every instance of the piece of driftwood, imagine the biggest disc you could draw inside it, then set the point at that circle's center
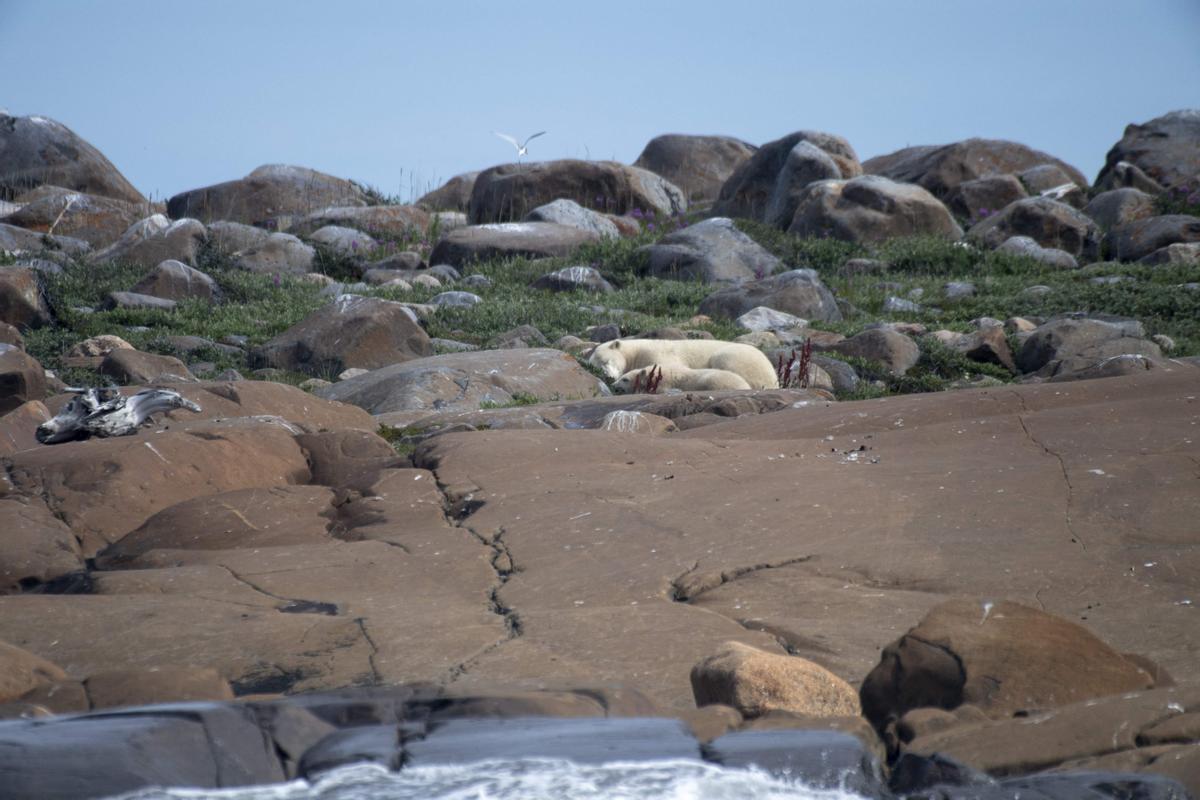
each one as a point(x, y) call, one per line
point(106, 412)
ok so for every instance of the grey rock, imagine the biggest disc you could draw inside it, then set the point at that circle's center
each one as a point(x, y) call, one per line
point(132, 300)
point(38, 151)
point(1119, 206)
point(278, 253)
point(897, 352)
point(453, 195)
point(392, 221)
point(445, 273)
point(1025, 246)
point(227, 237)
point(1167, 149)
point(477, 282)
point(958, 290)
point(976, 199)
point(844, 378)
point(272, 196)
point(893, 305)
point(568, 212)
point(1184, 255)
point(569, 279)
point(747, 192)
point(1138, 239)
point(461, 381)
point(712, 251)
point(531, 239)
point(155, 239)
point(805, 164)
point(457, 299)
point(762, 318)
point(174, 280)
point(20, 240)
point(798, 291)
point(1044, 176)
point(345, 242)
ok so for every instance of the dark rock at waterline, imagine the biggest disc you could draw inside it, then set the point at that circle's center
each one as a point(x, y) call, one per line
point(823, 759)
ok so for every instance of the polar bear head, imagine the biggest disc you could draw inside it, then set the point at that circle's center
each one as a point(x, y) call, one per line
point(609, 359)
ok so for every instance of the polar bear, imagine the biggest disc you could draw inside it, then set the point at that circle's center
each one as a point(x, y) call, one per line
point(619, 356)
point(690, 380)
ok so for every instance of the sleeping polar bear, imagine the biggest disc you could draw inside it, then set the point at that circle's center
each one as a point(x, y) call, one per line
point(690, 380)
point(619, 356)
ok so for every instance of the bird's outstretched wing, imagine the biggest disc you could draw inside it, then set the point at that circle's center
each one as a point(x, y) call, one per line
point(508, 139)
point(531, 138)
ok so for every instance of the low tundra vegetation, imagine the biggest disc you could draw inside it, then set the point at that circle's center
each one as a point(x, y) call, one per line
point(258, 307)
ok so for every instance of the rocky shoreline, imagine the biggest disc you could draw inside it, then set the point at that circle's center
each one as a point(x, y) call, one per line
point(411, 524)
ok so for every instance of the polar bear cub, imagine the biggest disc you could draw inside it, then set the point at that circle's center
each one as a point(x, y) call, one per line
point(690, 380)
point(620, 356)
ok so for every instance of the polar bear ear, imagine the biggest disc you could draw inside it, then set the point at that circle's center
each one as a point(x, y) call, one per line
point(616, 344)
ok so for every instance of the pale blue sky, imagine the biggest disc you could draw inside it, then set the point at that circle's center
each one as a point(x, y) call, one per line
point(404, 95)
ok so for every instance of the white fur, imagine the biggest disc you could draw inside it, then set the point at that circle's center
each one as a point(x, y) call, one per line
point(689, 380)
point(620, 356)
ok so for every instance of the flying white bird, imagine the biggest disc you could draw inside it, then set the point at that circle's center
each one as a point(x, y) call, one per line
point(522, 148)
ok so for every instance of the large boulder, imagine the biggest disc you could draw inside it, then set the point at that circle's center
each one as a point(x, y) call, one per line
point(129, 367)
point(756, 682)
point(940, 168)
point(22, 671)
point(22, 303)
point(1118, 207)
point(277, 253)
point(174, 280)
point(805, 164)
point(1048, 222)
point(21, 378)
point(14, 239)
point(895, 351)
point(699, 165)
point(797, 291)
point(749, 190)
point(95, 219)
point(453, 195)
point(871, 208)
point(36, 150)
point(999, 656)
point(1140, 238)
point(351, 331)
point(273, 196)
point(975, 199)
point(394, 221)
point(1071, 344)
point(1166, 148)
point(462, 381)
point(531, 239)
point(712, 251)
point(510, 191)
point(155, 239)
point(226, 237)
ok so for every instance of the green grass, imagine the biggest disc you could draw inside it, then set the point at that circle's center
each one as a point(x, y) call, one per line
point(261, 306)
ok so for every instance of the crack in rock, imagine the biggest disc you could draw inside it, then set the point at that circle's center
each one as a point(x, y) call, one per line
point(362, 627)
point(691, 584)
point(291, 605)
point(1062, 465)
point(458, 504)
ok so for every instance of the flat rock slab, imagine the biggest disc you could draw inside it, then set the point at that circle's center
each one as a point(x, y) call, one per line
point(471, 243)
point(1057, 498)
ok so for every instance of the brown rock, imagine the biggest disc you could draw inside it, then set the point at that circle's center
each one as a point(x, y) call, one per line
point(940, 168)
point(1140, 238)
point(114, 688)
point(870, 208)
point(351, 331)
point(104, 488)
point(17, 427)
point(979, 198)
point(35, 547)
point(97, 220)
point(10, 335)
point(1000, 656)
point(21, 302)
point(453, 195)
point(1118, 207)
point(392, 221)
point(897, 352)
point(98, 346)
point(22, 671)
point(154, 240)
point(22, 379)
point(699, 165)
point(272, 196)
point(174, 280)
point(756, 681)
point(1048, 222)
point(135, 367)
point(510, 191)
